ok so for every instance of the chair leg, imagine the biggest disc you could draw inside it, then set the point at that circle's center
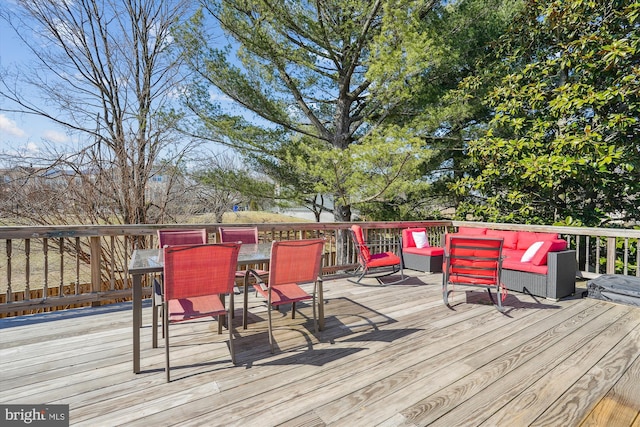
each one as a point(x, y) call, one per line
point(315, 317)
point(497, 305)
point(221, 317)
point(232, 309)
point(246, 300)
point(231, 349)
point(165, 327)
point(445, 291)
point(293, 310)
point(269, 321)
point(154, 326)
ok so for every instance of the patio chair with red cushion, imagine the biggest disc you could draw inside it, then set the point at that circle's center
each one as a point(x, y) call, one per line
point(473, 261)
point(182, 237)
point(244, 235)
point(375, 265)
point(170, 237)
point(293, 263)
point(238, 234)
point(196, 279)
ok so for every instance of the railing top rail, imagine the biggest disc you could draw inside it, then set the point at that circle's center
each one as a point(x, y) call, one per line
point(578, 231)
point(57, 231)
point(34, 232)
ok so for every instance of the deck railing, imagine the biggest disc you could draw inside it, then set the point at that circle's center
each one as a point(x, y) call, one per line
point(47, 268)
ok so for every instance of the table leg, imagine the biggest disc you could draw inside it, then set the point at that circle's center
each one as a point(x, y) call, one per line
point(221, 318)
point(246, 300)
point(137, 320)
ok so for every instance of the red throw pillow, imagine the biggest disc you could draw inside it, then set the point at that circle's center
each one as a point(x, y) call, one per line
point(540, 258)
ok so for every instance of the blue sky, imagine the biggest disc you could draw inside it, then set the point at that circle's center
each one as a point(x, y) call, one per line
point(20, 131)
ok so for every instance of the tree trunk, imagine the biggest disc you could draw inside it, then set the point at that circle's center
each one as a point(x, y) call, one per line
point(342, 213)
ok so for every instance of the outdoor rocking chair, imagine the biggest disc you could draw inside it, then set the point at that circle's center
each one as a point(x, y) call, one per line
point(376, 265)
point(474, 261)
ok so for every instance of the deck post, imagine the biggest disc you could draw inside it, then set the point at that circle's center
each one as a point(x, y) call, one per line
point(611, 255)
point(96, 256)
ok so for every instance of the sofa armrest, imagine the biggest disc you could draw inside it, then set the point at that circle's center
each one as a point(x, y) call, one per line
point(561, 276)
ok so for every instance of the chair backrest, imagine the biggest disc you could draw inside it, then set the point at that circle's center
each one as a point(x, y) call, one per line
point(295, 261)
point(239, 234)
point(361, 247)
point(473, 260)
point(197, 270)
point(182, 237)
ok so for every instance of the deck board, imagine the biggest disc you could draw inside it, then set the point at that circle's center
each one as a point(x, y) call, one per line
point(389, 355)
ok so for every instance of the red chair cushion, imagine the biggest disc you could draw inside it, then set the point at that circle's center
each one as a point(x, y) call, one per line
point(194, 307)
point(430, 251)
point(385, 259)
point(284, 294)
point(515, 264)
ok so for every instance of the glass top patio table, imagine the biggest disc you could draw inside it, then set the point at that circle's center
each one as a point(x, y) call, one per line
point(145, 261)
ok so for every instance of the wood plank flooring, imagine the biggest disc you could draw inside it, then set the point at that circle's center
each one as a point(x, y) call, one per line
point(389, 356)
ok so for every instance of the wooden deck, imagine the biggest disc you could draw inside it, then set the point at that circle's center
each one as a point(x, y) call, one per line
point(389, 356)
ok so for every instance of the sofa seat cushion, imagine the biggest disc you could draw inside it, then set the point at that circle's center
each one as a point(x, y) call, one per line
point(512, 254)
point(509, 238)
point(527, 238)
point(515, 264)
point(429, 251)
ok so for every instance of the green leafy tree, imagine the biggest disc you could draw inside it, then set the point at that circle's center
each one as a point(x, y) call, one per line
point(454, 42)
point(563, 142)
point(311, 115)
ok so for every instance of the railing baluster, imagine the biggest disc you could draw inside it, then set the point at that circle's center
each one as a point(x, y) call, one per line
point(125, 279)
point(61, 290)
point(27, 269)
point(637, 257)
point(9, 246)
point(587, 250)
point(45, 249)
point(112, 272)
point(77, 266)
point(597, 255)
point(626, 256)
point(611, 255)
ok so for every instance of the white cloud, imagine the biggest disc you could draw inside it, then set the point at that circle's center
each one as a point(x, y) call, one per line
point(31, 147)
point(10, 127)
point(55, 136)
